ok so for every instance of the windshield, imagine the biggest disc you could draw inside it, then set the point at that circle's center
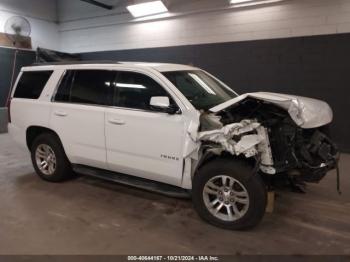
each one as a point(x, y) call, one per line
point(202, 90)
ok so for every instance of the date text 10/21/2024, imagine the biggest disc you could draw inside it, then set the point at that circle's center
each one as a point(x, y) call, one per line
point(173, 258)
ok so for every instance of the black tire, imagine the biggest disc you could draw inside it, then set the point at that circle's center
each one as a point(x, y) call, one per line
point(63, 170)
point(241, 172)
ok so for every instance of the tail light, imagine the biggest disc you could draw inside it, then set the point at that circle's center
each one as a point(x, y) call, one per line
point(9, 109)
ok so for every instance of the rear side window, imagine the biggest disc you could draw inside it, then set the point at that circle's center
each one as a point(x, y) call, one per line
point(134, 90)
point(86, 87)
point(32, 84)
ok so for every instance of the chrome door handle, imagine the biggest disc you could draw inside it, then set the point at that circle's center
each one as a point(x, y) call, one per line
point(116, 121)
point(60, 113)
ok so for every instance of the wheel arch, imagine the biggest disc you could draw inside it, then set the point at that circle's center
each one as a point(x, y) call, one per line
point(209, 157)
point(33, 132)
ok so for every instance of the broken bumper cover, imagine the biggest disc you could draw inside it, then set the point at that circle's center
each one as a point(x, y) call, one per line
point(315, 174)
point(319, 156)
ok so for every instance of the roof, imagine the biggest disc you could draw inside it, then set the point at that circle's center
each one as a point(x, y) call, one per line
point(161, 67)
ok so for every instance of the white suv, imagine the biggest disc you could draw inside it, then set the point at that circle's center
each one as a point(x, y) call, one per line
point(173, 129)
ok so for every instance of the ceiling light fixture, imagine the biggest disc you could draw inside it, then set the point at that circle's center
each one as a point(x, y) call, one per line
point(243, 3)
point(148, 8)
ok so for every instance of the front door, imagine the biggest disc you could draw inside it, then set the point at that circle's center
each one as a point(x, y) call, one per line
point(140, 141)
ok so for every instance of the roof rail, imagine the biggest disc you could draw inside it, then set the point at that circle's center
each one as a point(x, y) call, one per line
point(76, 62)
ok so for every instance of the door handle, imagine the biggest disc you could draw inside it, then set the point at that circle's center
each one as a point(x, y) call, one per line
point(116, 121)
point(60, 113)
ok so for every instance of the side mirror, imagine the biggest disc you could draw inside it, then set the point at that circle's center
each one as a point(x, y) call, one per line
point(162, 104)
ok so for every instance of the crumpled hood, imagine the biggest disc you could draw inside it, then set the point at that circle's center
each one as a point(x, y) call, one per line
point(306, 112)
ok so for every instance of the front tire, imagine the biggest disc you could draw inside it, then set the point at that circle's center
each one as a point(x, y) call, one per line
point(226, 194)
point(49, 159)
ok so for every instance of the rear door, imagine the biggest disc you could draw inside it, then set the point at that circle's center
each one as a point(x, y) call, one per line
point(78, 113)
point(140, 141)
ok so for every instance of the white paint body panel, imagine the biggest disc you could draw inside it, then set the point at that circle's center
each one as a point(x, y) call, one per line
point(145, 144)
point(81, 130)
point(26, 113)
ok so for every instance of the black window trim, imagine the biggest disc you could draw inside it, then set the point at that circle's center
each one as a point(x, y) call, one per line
point(117, 71)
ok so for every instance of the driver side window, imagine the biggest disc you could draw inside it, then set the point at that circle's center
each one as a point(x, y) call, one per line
point(135, 90)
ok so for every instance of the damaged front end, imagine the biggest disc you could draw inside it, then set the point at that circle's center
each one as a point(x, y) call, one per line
point(248, 138)
point(286, 135)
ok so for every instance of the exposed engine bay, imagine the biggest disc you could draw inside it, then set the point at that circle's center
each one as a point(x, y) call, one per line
point(273, 133)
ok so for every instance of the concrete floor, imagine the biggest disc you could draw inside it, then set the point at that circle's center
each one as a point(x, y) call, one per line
point(89, 216)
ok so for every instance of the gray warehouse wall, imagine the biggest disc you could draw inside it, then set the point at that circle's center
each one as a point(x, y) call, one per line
point(316, 66)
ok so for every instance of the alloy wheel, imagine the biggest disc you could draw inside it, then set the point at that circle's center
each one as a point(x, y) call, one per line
point(226, 198)
point(45, 159)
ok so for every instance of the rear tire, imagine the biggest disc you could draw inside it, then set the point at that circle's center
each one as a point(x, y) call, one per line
point(226, 194)
point(49, 159)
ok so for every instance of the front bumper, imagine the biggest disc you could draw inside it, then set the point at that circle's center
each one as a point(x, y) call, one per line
point(318, 157)
point(315, 174)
